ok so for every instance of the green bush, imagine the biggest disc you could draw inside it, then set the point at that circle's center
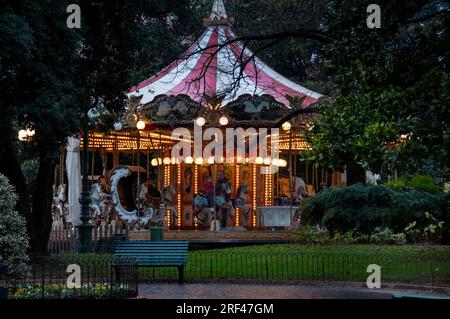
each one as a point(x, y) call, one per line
point(363, 209)
point(13, 235)
point(417, 182)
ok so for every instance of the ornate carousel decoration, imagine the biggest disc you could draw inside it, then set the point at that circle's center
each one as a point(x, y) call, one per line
point(210, 84)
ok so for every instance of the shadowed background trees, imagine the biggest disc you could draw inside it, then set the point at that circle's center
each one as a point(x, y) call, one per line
point(384, 82)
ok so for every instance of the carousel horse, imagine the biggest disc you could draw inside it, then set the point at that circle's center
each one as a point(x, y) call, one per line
point(168, 202)
point(59, 207)
point(299, 190)
point(202, 210)
point(100, 206)
point(241, 202)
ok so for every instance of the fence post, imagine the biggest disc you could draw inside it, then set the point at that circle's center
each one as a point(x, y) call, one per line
point(267, 269)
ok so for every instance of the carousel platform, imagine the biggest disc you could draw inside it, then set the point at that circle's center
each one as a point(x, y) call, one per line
point(228, 237)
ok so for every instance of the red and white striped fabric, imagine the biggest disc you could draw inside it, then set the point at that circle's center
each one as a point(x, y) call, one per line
point(204, 69)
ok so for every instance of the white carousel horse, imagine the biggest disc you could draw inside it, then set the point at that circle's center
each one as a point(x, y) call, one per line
point(59, 207)
point(100, 206)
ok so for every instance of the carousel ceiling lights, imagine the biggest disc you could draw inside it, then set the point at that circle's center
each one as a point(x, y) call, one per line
point(286, 126)
point(154, 162)
point(282, 163)
point(267, 161)
point(211, 160)
point(223, 121)
point(189, 160)
point(140, 125)
point(259, 160)
point(167, 160)
point(200, 121)
point(199, 161)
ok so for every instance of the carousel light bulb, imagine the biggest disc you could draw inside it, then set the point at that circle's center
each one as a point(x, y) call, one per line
point(286, 126)
point(167, 160)
point(282, 163)
point(118, 126)
point(22, 135)
point(259, 160)
point(199, 161)
point(211, 160)
point(140, 125)
point(160, 161)
point(267, 161)
point(200, 121)
point(275, 162)
point(174, 161)
point(223, 121)
point(154, 162)
point(189, 160)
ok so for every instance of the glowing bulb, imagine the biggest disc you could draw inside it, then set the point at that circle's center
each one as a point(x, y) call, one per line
point(211, 160)
point(30, 132)
point(286, 126)
point(282, 163)
point(174, 160)
point(199, 161)
point(22, 135)
point(267, 161)
point(259, 160)
point(140, 125)
point(118, 126)
point(189, 160)
point(275, 162)
point(167, 160)
point(160, 161)
point(154, 162)
point(223, 121)
point(200, 121)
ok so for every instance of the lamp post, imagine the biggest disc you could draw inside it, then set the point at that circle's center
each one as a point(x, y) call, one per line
point(85, 228)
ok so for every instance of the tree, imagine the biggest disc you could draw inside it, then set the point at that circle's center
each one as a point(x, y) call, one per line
point(13, 232)
point(51, 75)
point(391, 87)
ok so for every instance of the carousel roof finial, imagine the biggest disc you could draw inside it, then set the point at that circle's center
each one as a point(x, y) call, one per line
point(218, 15)
point(218, 10)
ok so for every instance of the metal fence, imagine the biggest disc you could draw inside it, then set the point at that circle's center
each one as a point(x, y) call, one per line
point(204, 266)
point(75, 277)
point(63, 240)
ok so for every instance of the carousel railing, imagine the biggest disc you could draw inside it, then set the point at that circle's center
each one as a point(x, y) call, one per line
point(64, 240)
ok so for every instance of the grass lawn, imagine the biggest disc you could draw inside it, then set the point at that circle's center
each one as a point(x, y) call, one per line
point(399, 264)
point(407, 264)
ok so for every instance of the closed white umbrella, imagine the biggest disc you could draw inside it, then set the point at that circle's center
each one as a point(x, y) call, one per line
point(74, 179)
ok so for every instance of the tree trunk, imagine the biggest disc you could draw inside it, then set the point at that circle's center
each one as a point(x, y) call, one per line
point(355, 173)
point(42, 201)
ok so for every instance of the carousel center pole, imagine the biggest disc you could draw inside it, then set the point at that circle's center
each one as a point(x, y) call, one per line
point(85, 228)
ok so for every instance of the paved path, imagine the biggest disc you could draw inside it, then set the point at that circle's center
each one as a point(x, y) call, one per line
point(258, 291)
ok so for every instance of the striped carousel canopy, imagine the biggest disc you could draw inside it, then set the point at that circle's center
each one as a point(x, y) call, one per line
point(212, 66)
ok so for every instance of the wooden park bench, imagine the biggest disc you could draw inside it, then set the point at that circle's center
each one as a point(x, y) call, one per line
point(155, 253)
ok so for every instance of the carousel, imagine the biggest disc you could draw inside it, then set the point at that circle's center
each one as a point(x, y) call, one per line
point(137, 182)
